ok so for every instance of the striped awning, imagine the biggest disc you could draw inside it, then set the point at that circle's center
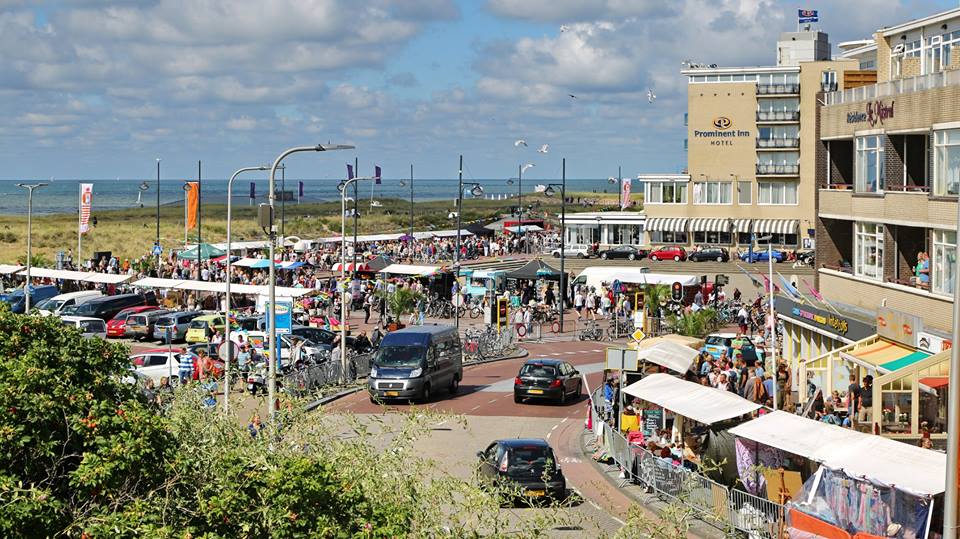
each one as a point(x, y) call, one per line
point(709, 225)
point(763, 227)
point(742, 225)
point(667, 224)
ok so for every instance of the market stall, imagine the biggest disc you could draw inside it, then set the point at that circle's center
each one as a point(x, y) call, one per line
point(911, 402)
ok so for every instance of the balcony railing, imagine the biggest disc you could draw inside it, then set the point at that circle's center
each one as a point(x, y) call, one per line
point(908, 188)
point(778, 115)
point(778, 89)
point(778, 143)
point(786, 170)
point(894, 87)
point(828, 86)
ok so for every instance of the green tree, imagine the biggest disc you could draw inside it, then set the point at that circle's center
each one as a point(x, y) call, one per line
point(694, 323)
point(401, 302)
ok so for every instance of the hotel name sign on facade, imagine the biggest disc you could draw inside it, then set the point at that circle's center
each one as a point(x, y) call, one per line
point(722, 132)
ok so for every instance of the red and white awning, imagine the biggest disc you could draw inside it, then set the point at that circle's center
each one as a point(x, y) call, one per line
point(361, 266)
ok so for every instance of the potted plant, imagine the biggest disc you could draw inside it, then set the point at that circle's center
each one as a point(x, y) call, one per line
point(401, 302)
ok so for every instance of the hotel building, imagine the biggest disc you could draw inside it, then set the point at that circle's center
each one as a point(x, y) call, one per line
point(751, 150)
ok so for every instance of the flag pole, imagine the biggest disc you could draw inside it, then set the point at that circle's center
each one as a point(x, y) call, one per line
point(80, 226)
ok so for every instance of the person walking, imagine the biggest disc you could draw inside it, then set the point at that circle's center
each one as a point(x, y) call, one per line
point(185, 366)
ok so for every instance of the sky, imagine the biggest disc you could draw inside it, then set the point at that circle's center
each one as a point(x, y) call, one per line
point(101, 89)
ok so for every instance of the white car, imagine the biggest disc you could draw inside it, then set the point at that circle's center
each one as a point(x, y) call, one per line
point(56, 304)
point(310, 349)
point(157, 363)
point(570, 251)
point(88, 327)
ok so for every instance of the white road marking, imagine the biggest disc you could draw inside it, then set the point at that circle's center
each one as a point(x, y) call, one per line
point(475, 408)
point(595, 350)
point(564, 420)
point(491, 401)
point(569, 353)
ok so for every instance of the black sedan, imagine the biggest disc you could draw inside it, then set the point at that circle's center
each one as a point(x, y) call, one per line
point(547, 379)
point(628, 252)
point(525, 468)
point(718, 254)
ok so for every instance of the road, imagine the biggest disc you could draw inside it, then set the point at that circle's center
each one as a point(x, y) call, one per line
point(486, 401)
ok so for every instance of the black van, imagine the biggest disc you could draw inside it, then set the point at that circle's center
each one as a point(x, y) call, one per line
point(106, 307)
point(415, 362)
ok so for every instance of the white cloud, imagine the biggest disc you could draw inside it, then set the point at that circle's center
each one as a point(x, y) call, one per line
point(564, 11)
point(243, 123)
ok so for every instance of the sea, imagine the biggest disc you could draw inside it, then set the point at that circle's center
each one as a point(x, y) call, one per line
point(62, 195)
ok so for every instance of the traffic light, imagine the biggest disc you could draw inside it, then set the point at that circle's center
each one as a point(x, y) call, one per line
point(677, 291)
point(503, 305)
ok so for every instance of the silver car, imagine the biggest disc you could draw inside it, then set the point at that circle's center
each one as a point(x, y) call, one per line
point(176, 322)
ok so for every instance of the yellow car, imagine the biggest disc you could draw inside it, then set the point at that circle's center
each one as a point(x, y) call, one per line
point(201, 325)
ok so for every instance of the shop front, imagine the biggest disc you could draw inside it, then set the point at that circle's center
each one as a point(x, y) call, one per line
point(607, 229)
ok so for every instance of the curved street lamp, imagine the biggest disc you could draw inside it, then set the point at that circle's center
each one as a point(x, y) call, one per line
point(551, 191)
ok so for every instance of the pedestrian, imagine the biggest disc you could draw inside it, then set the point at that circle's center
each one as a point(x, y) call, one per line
point(753, 389)
point(743, 318)
point(528, 319)
point(578, 301)
point(853, 396)
point(865, 410)
point(185, 366)
point(367, 307)
point(255, 426)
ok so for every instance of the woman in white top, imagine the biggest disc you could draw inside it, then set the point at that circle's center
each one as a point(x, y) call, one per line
point(591, 305)
point(578, 301)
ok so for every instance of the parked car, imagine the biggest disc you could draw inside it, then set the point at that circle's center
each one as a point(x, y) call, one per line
point(669, 252)
point(761, 256)
point(118, 324)
point(18, 301)
point(201, 326)
point(324, 337)
point(176, 322)
point(107, 307)
point(571, 251)
point(56, 304)
point(628, 252)
point(547, 379)
point(140, 326)
point(525, 467)
point(159, 362)
point(715, 343)
point(718, 254)
point(806, 256)
point(88, 327)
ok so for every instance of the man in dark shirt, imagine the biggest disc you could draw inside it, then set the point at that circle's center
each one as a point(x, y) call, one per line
point(853, 397)
point(865, 410)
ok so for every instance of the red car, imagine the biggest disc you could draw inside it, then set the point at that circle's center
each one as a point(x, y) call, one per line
point(117, 326)
point(669, 252)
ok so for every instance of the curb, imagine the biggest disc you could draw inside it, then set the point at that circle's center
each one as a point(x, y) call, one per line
point(521, 353)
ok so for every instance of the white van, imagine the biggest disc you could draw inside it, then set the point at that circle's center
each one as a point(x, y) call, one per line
point(56, 304)
point(89, 327)
point(597, 276)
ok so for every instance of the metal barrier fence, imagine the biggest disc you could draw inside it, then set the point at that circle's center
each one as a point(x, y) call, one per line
point(299, 382)
point(717, 504)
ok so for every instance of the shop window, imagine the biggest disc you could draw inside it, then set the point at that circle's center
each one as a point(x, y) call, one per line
point(869, 173)
point(869, 251)
point(659, 236)
point(895, 409)
point(743, 238)
point(946, 181)
point(944, 271)
point(712, 238)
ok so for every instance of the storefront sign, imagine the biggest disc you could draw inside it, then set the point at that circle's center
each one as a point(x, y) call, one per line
point(899, 326)
point(830, 322)
point(722, 130)
point(929, 342)
point(875, 113)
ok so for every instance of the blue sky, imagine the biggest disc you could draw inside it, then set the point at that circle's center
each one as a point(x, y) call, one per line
point(98, 89)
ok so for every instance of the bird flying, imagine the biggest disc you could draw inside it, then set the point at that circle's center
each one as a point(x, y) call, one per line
point(564, 28)
point(651, 97)
point(544, 149)
point(527, 166)
point(572, 96)
point(520, 142)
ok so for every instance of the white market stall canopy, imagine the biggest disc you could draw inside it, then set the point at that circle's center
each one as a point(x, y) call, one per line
point(7, 269)
point(410, 269)
point(220, 288)
point(451, 233)
point(707, 405)
point(669, 354)
point(907, 467)
point(524, 228)
point(68, 275)
point(375, 237)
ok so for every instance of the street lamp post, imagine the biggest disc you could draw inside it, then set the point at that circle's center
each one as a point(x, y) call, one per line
point(476, 190)
point(771, 318)
point(229, 358)
point(953, 417)
point(26, 287)
point(272, 285)
point(157, 243)
point(563, 232)
point(344, 314)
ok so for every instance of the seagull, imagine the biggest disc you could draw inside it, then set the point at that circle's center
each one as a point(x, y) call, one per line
point(572, 96)
point(651, 97)
point(520, 142)
point(564, 28)
point(544, 149)
point(525, 167)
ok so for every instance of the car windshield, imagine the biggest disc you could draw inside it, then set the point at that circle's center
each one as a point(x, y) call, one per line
point(50, 304)
point(537, 370)
point(165, 321)
point(86, 308)
point(401, 355)
point(137, 320)
point(531, 460)
point(198, 324)
point(716, 340)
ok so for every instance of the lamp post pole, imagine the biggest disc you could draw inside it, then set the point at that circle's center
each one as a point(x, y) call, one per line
point(773, 322)
point(562, 289)
point(229, 358)
point(283, 204)
point(356, 206)
point(456, 253)
point(158, 217)
point(411, 202)
point(344, 186)
point(953, 416)
point(30, 187)
point(272, 284)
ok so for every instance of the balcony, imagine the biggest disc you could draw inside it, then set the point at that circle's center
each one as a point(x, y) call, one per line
point(905, 204)
point(893, 88)
point(777, 170)
point(830, 86)
point(778, 115)
point(777, 143)
point(778, 89)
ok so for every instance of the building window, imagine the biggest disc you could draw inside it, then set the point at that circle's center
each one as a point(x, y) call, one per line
point(666, 193)
point(712, 238)
point(869, 250)
point(583, 234)
point(777, 193)
point(947, 162)
point(944, 261)
point(744, 193)
point(624, 234)
point(744, 238)
point(713, 193)
point(659, 236)
point(869, 174)
point(785, 240)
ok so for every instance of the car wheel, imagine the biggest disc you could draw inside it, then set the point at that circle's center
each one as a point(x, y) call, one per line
point(776, 260)
point(632, 256)
point(556, 254)
point(563, 396)
point(719, 259)
point(579, 390)
point(516, 398)
point(454, 385)
point(653, 257)
point(373, 400)
point(676, 259)
point(603, 256)
point(580, 256)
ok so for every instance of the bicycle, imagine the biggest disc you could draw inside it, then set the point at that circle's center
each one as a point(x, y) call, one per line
point(590, 333)
point(619, 328)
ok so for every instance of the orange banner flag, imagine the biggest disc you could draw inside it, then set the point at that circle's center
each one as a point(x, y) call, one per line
point(193, 204)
